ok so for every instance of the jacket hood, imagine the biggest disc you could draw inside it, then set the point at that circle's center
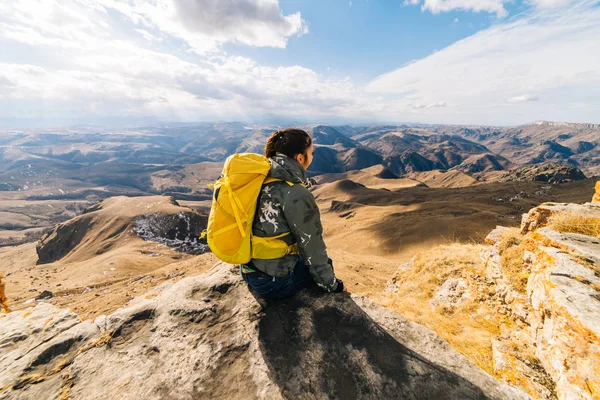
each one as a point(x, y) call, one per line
point(287, 169)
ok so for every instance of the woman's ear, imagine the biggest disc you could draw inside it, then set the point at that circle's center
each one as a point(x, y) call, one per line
point(299, 157)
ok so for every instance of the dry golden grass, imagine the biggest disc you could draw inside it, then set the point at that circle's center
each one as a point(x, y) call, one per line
point(512, 248)
point(574, 223)
point(468, 326)
point(3, 299)
point(63, 364)
point(104, 339)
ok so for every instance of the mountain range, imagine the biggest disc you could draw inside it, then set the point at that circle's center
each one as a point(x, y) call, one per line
point(49, 175)
point(130, 157)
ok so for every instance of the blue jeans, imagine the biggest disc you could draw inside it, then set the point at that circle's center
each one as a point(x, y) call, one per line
point(270, 287)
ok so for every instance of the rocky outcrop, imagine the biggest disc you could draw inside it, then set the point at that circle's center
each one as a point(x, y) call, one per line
point(560, 307)
point(451, 292)
point(550, 173)
point(516, 302)
point(513, 351)
point(564, 290)
point(515, 363)
point(207, 337)
point(538, 217)
point(179, 231)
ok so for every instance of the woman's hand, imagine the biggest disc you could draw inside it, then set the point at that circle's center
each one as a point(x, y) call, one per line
point(340, 286)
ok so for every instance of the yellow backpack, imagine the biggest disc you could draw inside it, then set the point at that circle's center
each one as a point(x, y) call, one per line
point(235, 197)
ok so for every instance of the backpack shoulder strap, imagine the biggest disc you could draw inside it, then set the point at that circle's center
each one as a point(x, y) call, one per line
point(271, 179)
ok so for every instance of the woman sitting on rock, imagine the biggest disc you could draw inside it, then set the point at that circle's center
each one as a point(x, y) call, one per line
point(287, 206)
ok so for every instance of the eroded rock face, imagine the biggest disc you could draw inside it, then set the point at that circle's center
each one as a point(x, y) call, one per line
point(35, 345)
point(561, 306)
point(515, 361)
point(207, 337)
point(564, 289)
point(514, 351)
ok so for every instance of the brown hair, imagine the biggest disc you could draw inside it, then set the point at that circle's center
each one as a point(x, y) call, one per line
point(289, 142)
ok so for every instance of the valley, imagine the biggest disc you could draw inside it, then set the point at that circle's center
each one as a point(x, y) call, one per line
point(48, 176)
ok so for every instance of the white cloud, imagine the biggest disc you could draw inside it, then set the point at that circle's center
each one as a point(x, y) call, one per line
point(438, 6)
point(105, 65)
point(135, 82)
point(550, 3)
point(551, 55)
point(523, 99)
point(431, 105)
point(201, 24)
point(251, 22)
point(149, 36)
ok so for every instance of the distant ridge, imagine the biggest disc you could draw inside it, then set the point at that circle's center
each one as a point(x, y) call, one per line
point(567, 124)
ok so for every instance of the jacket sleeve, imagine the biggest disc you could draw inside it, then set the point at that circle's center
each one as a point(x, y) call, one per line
point(304, 219)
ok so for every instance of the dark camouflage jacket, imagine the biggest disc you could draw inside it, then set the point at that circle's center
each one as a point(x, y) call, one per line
point(283, 208)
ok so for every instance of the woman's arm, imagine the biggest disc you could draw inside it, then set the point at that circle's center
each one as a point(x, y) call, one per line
point(304, 219)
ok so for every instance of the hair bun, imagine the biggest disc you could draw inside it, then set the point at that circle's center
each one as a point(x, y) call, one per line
point(296, 142)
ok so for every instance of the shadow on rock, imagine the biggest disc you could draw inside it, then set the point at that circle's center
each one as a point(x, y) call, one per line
point(316, 346)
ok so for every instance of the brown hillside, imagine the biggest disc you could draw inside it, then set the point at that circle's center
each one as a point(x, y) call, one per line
point(98, 261)
point(444, 179)
point(109, 225)
point(369, 232)
point(375, 177)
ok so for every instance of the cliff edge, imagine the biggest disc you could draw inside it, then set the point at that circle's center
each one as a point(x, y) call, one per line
point(207, 337)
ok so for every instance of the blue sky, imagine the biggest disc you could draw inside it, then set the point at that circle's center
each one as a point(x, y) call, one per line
point(367, 38)
point(496, 62)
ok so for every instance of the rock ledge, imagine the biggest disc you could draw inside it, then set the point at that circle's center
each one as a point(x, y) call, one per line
point(207, 337)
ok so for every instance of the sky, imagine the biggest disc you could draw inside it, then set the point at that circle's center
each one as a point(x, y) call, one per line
point(484, 62)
